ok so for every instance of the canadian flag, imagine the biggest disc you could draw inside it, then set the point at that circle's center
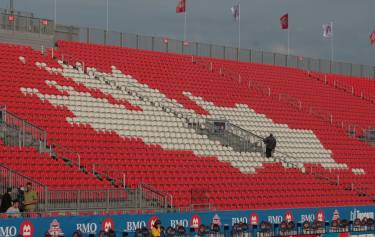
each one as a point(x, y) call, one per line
point(284, 21)
point(372, 37)
point(181, 6)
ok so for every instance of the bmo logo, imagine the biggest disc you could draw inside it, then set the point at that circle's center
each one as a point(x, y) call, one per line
point(195, 221)
point(87, 228)
point(8, 231)
point(108, 224)
point(320, 216)
point(254, 219)
point(151, 221)
point(289, 216)
point(27, 229)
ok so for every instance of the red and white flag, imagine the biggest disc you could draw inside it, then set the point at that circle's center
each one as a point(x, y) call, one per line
point(284, 21)
point(372, 37)
point(181, 7)
point(328, 30)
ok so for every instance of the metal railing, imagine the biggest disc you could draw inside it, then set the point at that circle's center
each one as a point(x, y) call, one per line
point(69, 156)
point(25, 23)
point(351, 129)
point(100, 199)
point(163, 44)
point(155, 197)
point(16, 12)
point(200, 200)
point(17, 131)
point(347, 87)
point(13, 179)
point(259, 87)
point(232, 135)
point(294, 102)
point(68, 200)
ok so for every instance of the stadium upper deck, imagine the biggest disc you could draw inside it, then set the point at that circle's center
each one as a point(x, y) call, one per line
point(129, 112)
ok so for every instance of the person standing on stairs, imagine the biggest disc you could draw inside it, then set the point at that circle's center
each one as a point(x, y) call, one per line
point(270, 142)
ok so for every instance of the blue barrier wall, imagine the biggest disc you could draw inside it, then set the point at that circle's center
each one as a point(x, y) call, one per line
point(93, 224)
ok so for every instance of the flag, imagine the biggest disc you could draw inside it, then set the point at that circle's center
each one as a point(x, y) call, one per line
point(236, 11)
point(181, 7)
point(284, 21)
point(328, 30)
point(10, 18)
point(372, 37)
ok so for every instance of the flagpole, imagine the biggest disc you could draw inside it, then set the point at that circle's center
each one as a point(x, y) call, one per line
point(107, 16)
point(332, 46)
point(288, 40)
point(332, 49)
point(239, 25)
point(55, 14)
point(185, 22)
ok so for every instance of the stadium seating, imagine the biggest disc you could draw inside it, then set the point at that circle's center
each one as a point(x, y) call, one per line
point(26, 160)
point(123, 110)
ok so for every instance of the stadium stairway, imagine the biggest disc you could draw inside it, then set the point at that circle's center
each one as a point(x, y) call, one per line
point(134, 140)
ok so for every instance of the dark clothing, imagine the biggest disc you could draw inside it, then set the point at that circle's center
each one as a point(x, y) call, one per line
point(21, 198)
point(270, 142)
point(268, 152)
point(6, 202)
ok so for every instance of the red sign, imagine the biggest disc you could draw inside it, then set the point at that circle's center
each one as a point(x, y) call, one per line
point(27, 229)
point(108, 224)
point(195, 221)
point(166, 40)
point(289, 216)
point(152, 221)
point(10, 18)
point(320, 216)
point(254, 219)
point(45, 22)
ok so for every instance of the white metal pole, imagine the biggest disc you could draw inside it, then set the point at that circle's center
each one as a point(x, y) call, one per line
point(239, 26)
point(332, 49)
point(185, 22)
point(55, 14)
point(288, 40)
point(107, 16)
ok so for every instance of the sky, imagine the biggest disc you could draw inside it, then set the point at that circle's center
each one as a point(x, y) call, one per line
point(210, 21)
